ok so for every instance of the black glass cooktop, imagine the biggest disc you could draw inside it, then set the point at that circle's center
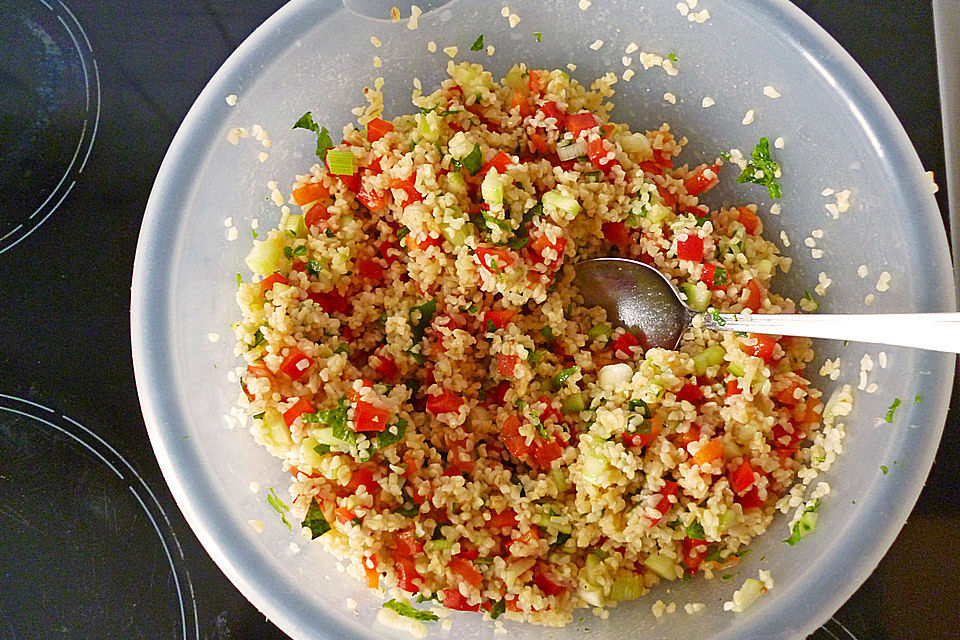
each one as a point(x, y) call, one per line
point(91, 543)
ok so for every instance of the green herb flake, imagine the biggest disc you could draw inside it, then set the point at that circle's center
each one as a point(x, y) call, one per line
point(558, 380)
point(498, 609)
point(809, 298)
point(253, 232)
point(279, 506)
point(420, 318)
point(695, 531)
point(405, 609)
point(547, 332)
point(343, 347)
point(240, 282)
point(472, 162)
point(538, 35)
point(892, 410)
point(477, 44)
point(324, 141)
point(918, 399)
point(672, 57)
point(717, 317)
point(884, 469)
point(386, 437)
point(315, 521)
point(804, 525)
point(728, 576)
point(534, 357)
point(762, 169)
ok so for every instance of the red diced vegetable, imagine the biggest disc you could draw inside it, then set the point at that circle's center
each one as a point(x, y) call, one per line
point(580, 122)
point(300, 407)
point(511, 437)
point(749, 500)
point(499, 317)
point(709, 452)
point(453, 599)
point(310, 192)
point(444, 402)
point(369, 417)
point(547, 583)
point(267, 283)
point(539, 142)
point(694, 551)
point(669, 489)
point(507, 364)
point(409, 188)
point(332, 302)
point(407, 577)
point(500, 162)
point(295, 364)
point(370, 270)
point(763, 347)
point(386, 367)
point(497, 394)
point(690, 393)
point(494, 259)
point(378, 128)
point(702, 179)
point(344, 515)
point(351, 181)
point(370, 197)
point(714, 276)
point(315, 215)
point(519, 101)
point(617, 234)
point(748, 219)
point(506, 519)
point(733, 388)
point(533, 81)
point(546, 452)
point(551, 110)
point(754, 296)
point(466, 571)
point(362, 477)
point(690, 248)
point(624, 343)
point(742, 478)
point(407, 544)
point(599, 152)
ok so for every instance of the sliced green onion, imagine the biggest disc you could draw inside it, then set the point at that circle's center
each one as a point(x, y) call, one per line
point(295, 226)
point(663, 566)
point(341, 163)
point(573, 404)
point(596, 331)
point(709, 357)
point(558, 380)
point(626, 586)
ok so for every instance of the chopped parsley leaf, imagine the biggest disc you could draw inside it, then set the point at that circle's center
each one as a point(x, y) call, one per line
point(538, 35)
point(491, 327)
point(884, 469)
point(426, 312)
point(534, 357)
point(386, 437)
point(279, 506)
point(405, 609)
point(477, 44)
point(402, 233)
point(762, 169)
point(315, 521)
point(324, 141)
point(253, 232)
point(717, 317)
point(472, 162)
point(240, 282)
point(672, 57)
point(695, 531)
point(559, 379)
point(343, 347)
point(918, 399)
point(517, 242)
point(547, 332)
point(892, 410)
point(498, 609)
point(321, 448)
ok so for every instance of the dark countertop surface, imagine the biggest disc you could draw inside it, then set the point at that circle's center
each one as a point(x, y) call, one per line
point(90, 538)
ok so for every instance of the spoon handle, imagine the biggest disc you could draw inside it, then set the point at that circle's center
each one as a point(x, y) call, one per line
point(934, 331)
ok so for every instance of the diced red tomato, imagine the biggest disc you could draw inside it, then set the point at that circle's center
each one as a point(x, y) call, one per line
point(669, 489)
point(259, 370)
point(389, 252)
point(617, 234)
point(547, 583)
point(351, 181)
point(749, 500)
point(267, 283)
point(748, 219)
point(460, 456)
point(666, 197)
point(786, 395)
point(362, 477)
point(310, 192)
point(541, 243)
point(371, 198)
point(369, 417)
point(386, 367)
point(494, 259)
point(370, 270)
point(551, 110)
point(624, 343)
point(507, 364)
point(407, 577)
point(407, 544)
point(550, 411)
point(763, 347)
point(580, 122)
point(519, 101)
point(545, 452)
point(643, 439)
point(332, 302)
point(499, 317)
point(315, 215)
point(807, 412)
point(344, 515)
point(754, 296)
point(444, 402)
point(690, 248)
point(690, 393)
point(784, 438)
point(539, 142)
point(733, 388)
point(506, 519)
point(378, 128)
point(698, 182)
point(453, 599)
point(511, 437)
point(533, 81)
point(606, 130)
point(466, 571)
point(423, 245)
point(530, 535)
point(500, 162)
point(300, 407)
point(742, 478)
point(408, 187)
point(295, 364)
point(694, 551)
point(599, 152)
point(709, 452)
point(714, 276)
point(497, 394)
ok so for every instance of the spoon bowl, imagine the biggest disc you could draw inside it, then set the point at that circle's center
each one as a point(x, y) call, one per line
point(642, 300)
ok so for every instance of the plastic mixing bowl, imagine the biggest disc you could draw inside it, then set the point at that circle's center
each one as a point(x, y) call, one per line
point(838, 131)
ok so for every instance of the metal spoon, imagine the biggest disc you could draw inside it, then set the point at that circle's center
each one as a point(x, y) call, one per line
point(640, 298)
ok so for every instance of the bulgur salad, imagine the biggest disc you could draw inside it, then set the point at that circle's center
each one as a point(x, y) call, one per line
point(458, 426)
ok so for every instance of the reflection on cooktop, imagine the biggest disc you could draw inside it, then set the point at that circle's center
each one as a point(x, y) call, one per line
point(82, 537)
point(49, 111)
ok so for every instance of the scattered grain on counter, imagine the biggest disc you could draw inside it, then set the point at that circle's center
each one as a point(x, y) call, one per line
point(626, 60)
point(822, 283)
point(631, 48)
point(830, 368)
point(513, 20)
point(596, 44)
point(784, 238)
point(749, 116)
point(213, 337)
point(669, 97)
point(375, 41)
point(584, 4)
point(694, 607)
point(883, 283)
point(862, 271)
point(451, 51)
point(868, 300)
point(770, 92)
point(778, 143)
point(231, 100)
point(257, 525)
point(775, 208)
point(707, 102)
